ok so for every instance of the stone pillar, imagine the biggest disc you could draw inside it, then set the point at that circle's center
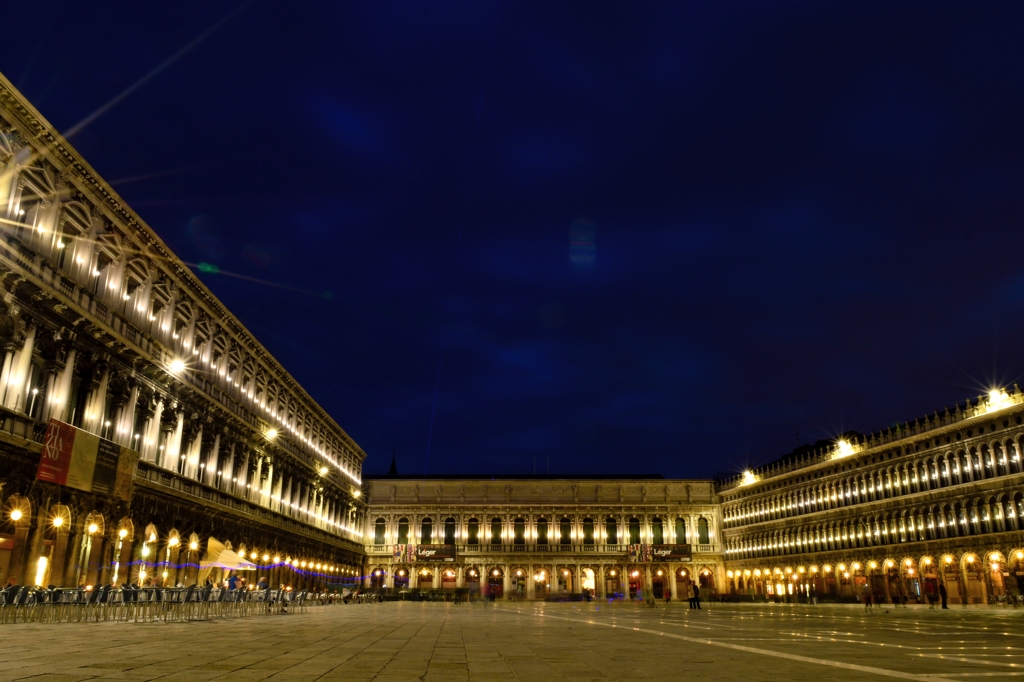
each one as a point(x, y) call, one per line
point(35, 544)
point(105, 571)
point(73, 565)
point(18, 376)
point(17, 568)
point(600, 581)
point(6, 375)
point(506, 581)
point(58, 556)
point(172, 453)
point(648, 582)
point(530, 583)
point(672, 581)
point(228, 469)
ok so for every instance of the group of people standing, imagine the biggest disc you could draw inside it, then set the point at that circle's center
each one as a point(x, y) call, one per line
point(868, 598)
point(693, 595)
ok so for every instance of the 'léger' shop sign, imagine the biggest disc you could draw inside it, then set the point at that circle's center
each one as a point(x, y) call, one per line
point(84, 461)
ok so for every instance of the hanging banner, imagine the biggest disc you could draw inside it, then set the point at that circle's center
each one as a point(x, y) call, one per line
point(671, 553)
point(639, 553)
point(435, 552)
point(78, 459)
point(411, 553)
point(646, 553)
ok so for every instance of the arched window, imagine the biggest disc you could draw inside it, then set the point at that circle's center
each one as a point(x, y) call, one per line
point(426, 531)
point(611, 529)
point(681, 532)
point(542, 531)
point(403, 531)
point(495, 531)
point(634, 531)
point(449, 531)
point(519, 531)
point(379, 526)
point(703, 537)
point(658, 531)
point(588, 531)
point(564, 531)
point(473, 532)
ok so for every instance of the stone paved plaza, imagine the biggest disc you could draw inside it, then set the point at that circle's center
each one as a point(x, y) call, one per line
point(532, 641)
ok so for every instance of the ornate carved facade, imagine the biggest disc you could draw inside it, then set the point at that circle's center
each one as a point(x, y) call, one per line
point(103, 327)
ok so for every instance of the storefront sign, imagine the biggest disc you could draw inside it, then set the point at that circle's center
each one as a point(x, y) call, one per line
point(82, 460)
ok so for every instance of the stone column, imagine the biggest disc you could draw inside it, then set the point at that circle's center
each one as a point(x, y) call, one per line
point(172, 453)
point(17, 382)
point(672, 569)
point(17, 567)
point(57, 557)
point(506, 581)
point(648, 582)
point(600, 581)
point(530, 583)
point(227, 469)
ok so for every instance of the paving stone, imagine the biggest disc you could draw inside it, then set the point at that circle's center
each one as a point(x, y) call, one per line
point(439, 643)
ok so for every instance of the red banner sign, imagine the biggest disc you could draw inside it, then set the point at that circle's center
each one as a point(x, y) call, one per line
point(82, 460)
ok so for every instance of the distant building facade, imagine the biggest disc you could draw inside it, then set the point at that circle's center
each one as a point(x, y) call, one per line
point(542, 537)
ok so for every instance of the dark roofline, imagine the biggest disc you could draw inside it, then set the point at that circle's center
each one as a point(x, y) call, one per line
point(518, 477)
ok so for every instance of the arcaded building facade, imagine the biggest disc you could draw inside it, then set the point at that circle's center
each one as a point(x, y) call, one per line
point(936, 501)
point(539, 537)
point(102, 327)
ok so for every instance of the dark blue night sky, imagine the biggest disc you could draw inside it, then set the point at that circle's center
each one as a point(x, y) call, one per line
point(597, 237)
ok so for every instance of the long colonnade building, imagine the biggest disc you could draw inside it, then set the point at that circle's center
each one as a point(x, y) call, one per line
point(104, 328)
point(934, 502)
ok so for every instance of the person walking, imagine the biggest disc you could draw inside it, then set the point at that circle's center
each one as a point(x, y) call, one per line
point(865, 595)
point(689, 593)
point(943, 595)
point(696, 596)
